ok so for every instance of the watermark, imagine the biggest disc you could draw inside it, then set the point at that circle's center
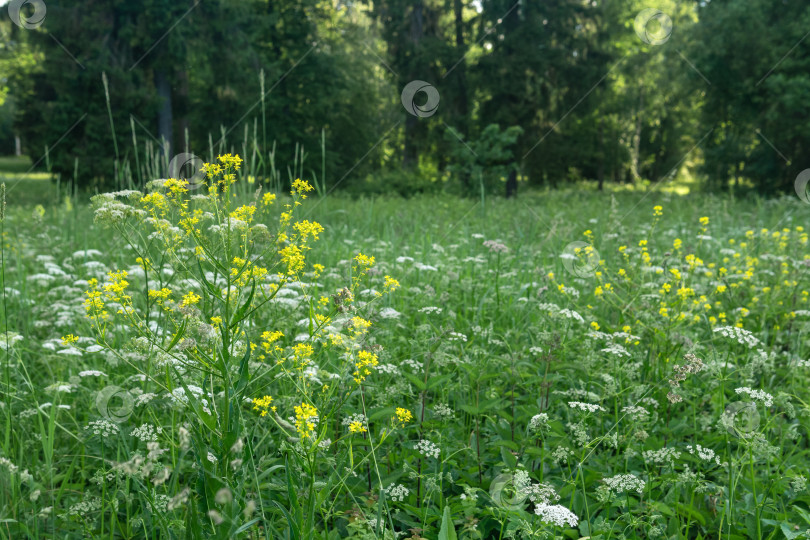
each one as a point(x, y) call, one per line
point(409, 95)
point(507, 493)
point(801, 185)
point(36, 19)
point(653, 26)
point(115, 404)
point(580, 259)
point(187, 167)
point(741, 418)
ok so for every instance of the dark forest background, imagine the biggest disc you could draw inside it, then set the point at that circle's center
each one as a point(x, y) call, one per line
point(547, 92)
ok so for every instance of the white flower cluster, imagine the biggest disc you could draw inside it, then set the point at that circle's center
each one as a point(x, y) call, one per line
point(556, 515)
point(661, 456)
point(389, 313)
point(706, 454)
point(495, 246)
point(616, 350)
point(561, 454)
point(389, 369)
point(92, 373)
point(85, 507)
point(759, 395)
point(536, 493)
point(427, 448)
point(143, 399)
point(413, 364)
point(147, 433)
point(639, 414)
point(8, 465)
point(538, 422)
point(356, 417)
point(105, 428)
point(625, 482)
point(571, 314)
point(587, 407)
point(8, 339)
point(740, 335)
point(441, 410)
point(628, 338)
point(431, 309)
point(397, 492)
point(541, 493)
point(455, 336)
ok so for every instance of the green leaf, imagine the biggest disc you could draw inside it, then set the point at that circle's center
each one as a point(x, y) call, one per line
point(240, 313)
point(211, 289)
point(448, 531)
point(470, 409)
point(788, 531)
point(436, 381)
point(414, 380)
point(295, 532)
point(178, 336)
point(697, 516)
point(243, 377)
point(508, 457)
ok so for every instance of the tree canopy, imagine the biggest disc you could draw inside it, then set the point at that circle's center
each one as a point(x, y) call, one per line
point(564, 90)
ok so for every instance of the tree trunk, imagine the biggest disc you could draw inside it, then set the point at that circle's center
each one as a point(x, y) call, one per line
point(461, 70)
point(511, 184)
point(410, 155)
point(461, 77)
point(181, 107)
point(164, 92)
point(636, 149)
point(601, 156)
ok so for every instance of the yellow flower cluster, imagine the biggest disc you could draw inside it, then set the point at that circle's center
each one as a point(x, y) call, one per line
point(262, 405)
point(69, 339)
point(304, 419)
point(301, 188)
point(365, 362)
point(403, 416)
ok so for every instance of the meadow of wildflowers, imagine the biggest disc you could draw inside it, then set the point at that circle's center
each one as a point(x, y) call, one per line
point(213, 361)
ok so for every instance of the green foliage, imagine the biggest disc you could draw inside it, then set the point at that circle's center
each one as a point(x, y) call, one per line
point(512, 395)
point(720, 95)
point(755, 55)
point(484, 163)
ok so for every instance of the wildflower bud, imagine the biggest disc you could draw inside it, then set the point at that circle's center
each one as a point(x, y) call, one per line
point(185, 438)
point(283, 423)
point(223, 496)
point(161, 477)
point(178, 500)
point(215, 516)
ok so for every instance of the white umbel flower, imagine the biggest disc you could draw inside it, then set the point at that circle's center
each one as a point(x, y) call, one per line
point(625, 482)
point(759, 395)
point(587, 407)
point(428, 449)
point(740, 335)
point(556, 515)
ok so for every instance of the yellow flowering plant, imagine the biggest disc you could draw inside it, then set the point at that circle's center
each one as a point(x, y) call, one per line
point(213, 321)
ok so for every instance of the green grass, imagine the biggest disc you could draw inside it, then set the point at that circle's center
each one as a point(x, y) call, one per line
point(24, 187)
point(488, 377)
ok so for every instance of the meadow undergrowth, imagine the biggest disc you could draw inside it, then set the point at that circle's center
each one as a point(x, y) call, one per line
point(209, 361)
